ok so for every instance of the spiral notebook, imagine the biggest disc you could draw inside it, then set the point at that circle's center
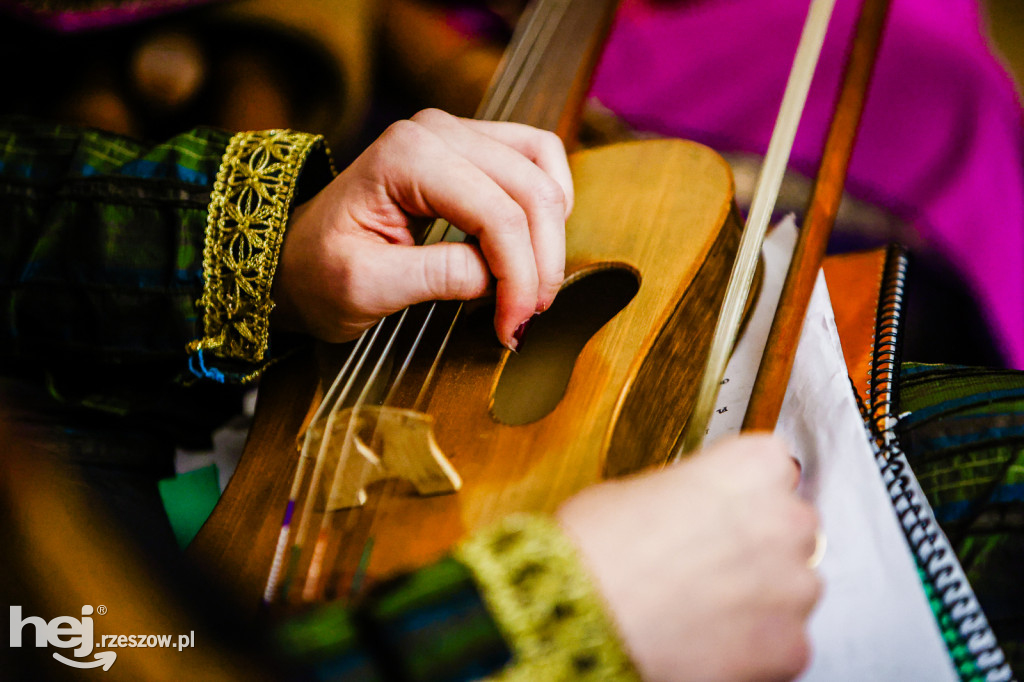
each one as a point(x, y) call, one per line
point(971, 644)
point(887, 613)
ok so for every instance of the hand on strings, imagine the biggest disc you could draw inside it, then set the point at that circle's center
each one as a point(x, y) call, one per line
point(704, 565)
point(349, 256)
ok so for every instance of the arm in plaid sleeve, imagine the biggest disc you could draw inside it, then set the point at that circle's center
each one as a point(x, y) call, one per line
point(106, 241)
point(436, 624)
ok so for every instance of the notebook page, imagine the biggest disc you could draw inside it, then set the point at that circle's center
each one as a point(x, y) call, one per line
point(873, 621)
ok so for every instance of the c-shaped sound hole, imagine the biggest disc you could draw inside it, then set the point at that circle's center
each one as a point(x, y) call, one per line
point(534, 379)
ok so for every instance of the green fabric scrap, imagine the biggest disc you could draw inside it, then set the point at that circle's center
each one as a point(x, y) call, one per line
point(189, 499)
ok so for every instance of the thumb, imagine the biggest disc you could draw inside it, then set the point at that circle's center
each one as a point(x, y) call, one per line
point(445, 271)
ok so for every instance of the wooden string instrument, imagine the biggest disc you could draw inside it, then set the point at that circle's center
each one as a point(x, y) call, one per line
point(600, 388)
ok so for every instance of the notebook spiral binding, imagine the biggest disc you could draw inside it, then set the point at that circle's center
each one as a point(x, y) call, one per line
point(970, 641)
point(888, 342)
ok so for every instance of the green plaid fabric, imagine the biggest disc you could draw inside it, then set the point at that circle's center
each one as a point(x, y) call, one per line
point(100, 271)
point(430, 625)
point(102, 256)
point(963, 431)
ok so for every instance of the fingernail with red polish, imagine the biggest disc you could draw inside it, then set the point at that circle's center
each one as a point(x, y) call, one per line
point(520, 331)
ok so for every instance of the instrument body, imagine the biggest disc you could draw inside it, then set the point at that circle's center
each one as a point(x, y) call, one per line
point(661, 210)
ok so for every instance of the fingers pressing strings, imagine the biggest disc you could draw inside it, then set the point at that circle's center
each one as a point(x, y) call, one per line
point(496, 192)
point(349, 256)
point(530, 165)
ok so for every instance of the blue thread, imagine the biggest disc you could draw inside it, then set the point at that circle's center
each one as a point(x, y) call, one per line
point(147, 169)
point(204, 371)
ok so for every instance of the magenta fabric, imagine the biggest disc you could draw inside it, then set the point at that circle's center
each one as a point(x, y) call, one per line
point(941, 142)
point(114, 13)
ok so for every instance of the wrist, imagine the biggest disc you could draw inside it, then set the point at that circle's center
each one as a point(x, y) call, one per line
point(285, 315)
point(545, 603)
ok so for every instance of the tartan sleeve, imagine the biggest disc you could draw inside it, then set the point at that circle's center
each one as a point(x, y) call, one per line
point(118, 252)
point(962, 429)
point(430, 625)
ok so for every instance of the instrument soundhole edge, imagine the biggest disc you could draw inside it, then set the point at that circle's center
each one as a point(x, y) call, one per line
point(533, 381)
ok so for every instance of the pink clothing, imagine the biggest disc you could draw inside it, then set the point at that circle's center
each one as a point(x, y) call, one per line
point(67, 18)
point(941, 142)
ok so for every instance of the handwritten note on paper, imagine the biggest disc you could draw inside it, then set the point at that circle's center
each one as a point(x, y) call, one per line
point(873, 621)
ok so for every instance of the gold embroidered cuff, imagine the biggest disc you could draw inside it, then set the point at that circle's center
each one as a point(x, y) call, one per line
point(545, 603)
point(248, 213)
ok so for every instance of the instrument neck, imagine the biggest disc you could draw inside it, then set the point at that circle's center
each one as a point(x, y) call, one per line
point(545, 74)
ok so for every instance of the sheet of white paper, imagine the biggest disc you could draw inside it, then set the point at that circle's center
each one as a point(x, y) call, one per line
point(873, 621)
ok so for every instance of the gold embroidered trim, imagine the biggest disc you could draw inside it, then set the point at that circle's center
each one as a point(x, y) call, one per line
point(248, 214)
point(545, 604)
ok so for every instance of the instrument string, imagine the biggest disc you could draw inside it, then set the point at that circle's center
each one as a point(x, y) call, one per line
point(407, 361)
point(518, 67)
point(349, 372)
point(552, 20)
point(315, 570)
point(316, 565)
point(335, 577)
point(445, 229)
point(432, 372)
point(280, 548)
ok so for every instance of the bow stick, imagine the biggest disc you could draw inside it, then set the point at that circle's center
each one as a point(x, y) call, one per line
point(777, 363)
point(780, 349)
